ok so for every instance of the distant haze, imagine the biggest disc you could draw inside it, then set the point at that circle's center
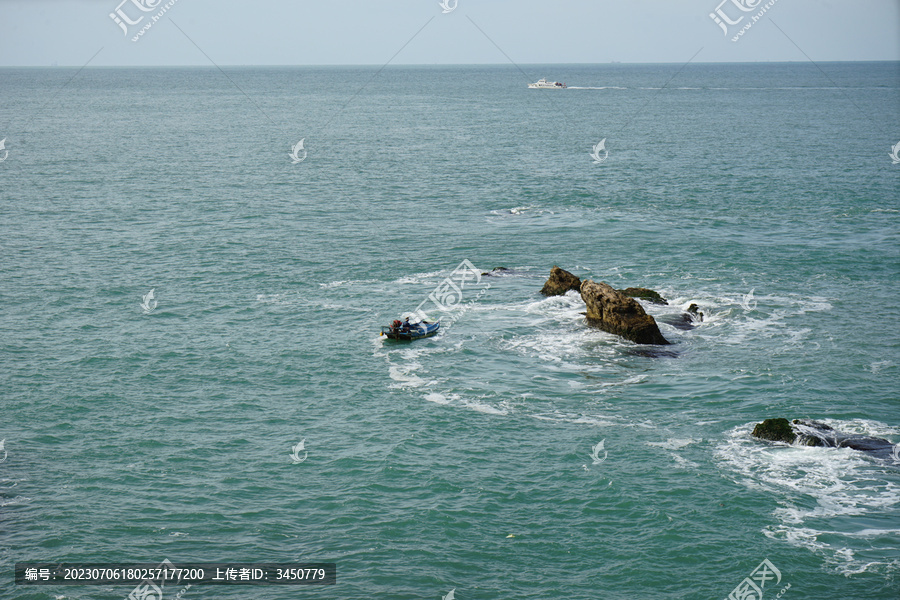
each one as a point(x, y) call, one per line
point(304, 32)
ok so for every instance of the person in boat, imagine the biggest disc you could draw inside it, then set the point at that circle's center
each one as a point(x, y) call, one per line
point(406, 325)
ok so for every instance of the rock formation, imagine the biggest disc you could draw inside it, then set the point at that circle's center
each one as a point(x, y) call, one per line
point(686, 320)
point(806, 432)
point(693, 309)
point(560, 282)
point(775, 430)
point(614, 312)
point(644, 294)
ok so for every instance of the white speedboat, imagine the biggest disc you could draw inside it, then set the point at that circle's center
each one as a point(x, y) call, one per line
point(543, 84)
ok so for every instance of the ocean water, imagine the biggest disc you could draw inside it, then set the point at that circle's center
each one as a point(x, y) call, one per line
point(763, 193)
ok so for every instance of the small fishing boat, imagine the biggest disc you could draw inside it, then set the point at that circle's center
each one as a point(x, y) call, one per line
point(410, 331)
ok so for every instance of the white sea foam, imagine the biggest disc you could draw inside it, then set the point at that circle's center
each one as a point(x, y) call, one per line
point(876, 367)
point(868, 533)
point(521, 210)
point(406, 376)
point(675, 443)
point(294, 299)
point(633, 380)
point(559, 347)
point(863, 427)
point(347, 282)
point(437, 398)
point(812, 304)
point(553, 330)
point(738, 319)
point(593, 421)
point(843, 483)
point(15, 501)
point(268, 298)
point(416, 278)
point(481, 406)
point(688, 464)
point(579, 419)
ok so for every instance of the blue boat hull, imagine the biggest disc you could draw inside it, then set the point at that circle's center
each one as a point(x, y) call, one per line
point(417, 331)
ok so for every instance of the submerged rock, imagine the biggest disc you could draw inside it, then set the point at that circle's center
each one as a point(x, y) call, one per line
point(686, 320)
point(645, 294)
point(614, 312)
point(683, 321)
point(806, 432)
point(495, 271)
point(652, 352)
point(560, 282)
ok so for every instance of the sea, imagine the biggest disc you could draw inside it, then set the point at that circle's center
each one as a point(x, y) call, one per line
point(249, 411)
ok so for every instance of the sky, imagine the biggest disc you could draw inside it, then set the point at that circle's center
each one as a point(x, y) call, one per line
point(401, 32)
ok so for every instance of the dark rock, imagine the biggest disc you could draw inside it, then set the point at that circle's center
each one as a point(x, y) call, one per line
point(495, 270)
point(614, 312)
point(693, 309)
point(645, 294)
point(652, 352)
point(871, 445)
point(815, 433)
point(816, 424)
point(560, 282)
point(806, 432)
point(684, 321)
point(775, 430)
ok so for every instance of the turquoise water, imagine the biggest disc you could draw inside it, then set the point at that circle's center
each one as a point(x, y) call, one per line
point(762, 193)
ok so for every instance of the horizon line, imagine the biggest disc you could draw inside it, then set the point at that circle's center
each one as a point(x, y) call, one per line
point(377, 65)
